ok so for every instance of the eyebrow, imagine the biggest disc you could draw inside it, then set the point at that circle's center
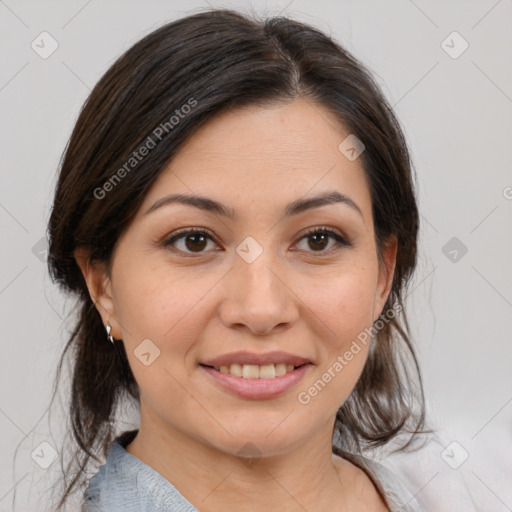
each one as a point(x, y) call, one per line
point(294, 208)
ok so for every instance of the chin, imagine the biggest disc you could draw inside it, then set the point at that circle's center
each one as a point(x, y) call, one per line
point(255, 441)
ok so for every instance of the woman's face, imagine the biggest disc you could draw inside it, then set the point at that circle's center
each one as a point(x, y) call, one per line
point(255, 293)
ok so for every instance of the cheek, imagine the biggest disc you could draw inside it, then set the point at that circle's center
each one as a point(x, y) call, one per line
point(342, 307)
point(155, 302)
point(344, 304)
point(164, 309)
point(342, 353)
point(169, 310)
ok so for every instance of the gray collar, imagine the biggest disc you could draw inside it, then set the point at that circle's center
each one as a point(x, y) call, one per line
point(125, 484)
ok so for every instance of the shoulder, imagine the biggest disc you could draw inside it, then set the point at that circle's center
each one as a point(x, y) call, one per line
point(114, 484)
point(125, 484)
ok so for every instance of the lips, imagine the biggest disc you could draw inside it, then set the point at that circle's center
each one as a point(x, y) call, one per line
point(256, 388)
point(257, 376)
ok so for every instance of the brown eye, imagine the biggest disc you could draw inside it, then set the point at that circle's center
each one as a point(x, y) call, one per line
point(195, 242)
point(191, 241)
point(318, 240)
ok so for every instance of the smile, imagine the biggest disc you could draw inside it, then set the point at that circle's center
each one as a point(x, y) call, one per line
point(256, 382)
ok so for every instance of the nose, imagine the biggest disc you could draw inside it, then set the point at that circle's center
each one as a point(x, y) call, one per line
point(258, 297)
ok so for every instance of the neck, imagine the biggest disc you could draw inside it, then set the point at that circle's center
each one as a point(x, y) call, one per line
point(305, 478)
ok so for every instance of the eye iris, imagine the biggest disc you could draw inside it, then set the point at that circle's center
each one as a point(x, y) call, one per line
point(196, 237)
point(315, 236)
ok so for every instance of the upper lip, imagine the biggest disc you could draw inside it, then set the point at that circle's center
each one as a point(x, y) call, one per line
point(244, 357)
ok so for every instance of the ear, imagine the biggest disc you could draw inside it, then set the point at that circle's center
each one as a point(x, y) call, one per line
point(100, 288)
point(386, 273)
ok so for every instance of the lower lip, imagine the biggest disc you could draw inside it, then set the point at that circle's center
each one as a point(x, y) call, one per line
point(257, 388)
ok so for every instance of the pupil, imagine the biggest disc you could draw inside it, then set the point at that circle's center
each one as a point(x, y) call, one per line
point(322, 236)
point(194, 243)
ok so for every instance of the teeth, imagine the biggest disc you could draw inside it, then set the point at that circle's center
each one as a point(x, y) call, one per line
point(253, 371)
point(236, 370)
point(280, 369)
point(267, 371)
point(250, 371)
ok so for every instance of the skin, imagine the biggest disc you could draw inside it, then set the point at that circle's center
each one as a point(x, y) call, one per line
point(300, 296)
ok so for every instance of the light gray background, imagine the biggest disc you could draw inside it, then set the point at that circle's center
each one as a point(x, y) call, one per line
point(456, 113)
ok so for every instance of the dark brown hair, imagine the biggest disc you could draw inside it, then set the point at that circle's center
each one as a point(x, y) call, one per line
point(221, 60)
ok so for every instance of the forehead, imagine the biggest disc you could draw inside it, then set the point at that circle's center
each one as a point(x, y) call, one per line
point(262, 154)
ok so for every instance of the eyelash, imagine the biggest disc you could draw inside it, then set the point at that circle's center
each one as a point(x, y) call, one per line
point(182, 233)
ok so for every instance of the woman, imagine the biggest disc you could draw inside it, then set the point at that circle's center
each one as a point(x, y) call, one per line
point(235, 212)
